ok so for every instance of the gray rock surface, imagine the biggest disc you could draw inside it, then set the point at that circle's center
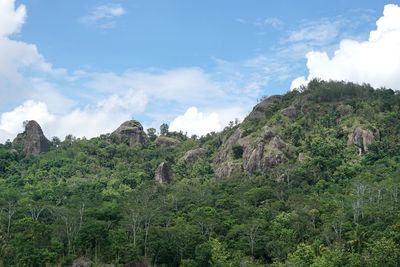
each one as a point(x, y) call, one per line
point(32, 139)
point(362, 138)
point(132, 130)
point(193, 155)
point(166, 141)
point(259, 110)
point(290, 112)
point(163, 173)
point(260, 154)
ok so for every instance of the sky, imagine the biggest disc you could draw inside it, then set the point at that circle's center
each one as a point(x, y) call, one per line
point(84, 67)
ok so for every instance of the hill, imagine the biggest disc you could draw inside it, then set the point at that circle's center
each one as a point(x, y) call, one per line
point(309, 178)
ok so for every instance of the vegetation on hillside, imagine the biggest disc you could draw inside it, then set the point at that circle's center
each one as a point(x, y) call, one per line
point(97, 198)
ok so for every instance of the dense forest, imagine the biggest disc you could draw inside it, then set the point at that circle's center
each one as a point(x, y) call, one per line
point(310, 178)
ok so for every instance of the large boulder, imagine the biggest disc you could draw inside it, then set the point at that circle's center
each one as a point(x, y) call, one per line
point(362, 138)
point(260, 109)
point(260, 154)
point(290, 112)
point(193, 155)
point(32, 139)
point(164, 173)
point(166, 141)
point(133, 131)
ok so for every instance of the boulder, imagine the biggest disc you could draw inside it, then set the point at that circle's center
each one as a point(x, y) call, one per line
point(132, 130)
point(166, 141)
point(266, 152)
point(226, 169)
point(260, 109)
point(290, 112)
point(164, 173)
point(260, 154)
point(32, 139)
point(193, 155)
point(362, 138)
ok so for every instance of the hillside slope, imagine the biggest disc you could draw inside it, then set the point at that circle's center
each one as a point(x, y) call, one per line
point(309, 178)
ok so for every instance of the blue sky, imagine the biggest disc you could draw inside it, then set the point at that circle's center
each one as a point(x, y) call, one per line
point(83, 67)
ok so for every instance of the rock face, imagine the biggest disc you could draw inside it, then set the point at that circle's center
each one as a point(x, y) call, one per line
point(193, 155)
point(362, 138)
point(166, 141)
point(164, 173)
point(259, 154)
point(132, 130)
point(259, 110)
point(290, 112)
point(32, 139)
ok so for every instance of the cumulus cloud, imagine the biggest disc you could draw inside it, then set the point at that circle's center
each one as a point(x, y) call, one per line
point(196, 122)
point(11, 19)
point(19, 58)
point(31, 88)
point(103, 16)
point(104, 117)
point(213, 119)
point(11, 122)
point(88, 121)
point(375, 61)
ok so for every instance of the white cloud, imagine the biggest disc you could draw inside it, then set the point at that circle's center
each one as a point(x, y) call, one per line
point(104, 117)
point(17, 59)
point(89, 121)
point(375, 61)
point(103, 16)
point(11, 122)
point(322, 31)
point(177, 84)
point(196, 122)
point(269, 21)
point(213, 119)
point(11, 19)
point(274, 22)
point(298, 82)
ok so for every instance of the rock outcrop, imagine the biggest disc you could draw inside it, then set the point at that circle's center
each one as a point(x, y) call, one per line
point(362, 138)
point(32, 139)
point(260, 109)
point(260, 154)
point(290, 112)
point(193, 155)
point(164, 173)
point(166, 141)
point(133, 131)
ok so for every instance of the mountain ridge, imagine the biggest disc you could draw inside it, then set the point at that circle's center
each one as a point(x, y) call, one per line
point(313, 181)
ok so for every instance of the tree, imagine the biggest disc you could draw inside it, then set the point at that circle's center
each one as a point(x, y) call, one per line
point(219, 255)
point(237, 151)
point(383, 252)
point(164, 129)
point(151, 132)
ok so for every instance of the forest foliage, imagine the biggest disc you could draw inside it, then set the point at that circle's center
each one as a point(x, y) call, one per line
point(97, 199)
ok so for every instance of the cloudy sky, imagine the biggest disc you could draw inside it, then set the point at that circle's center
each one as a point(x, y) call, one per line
point(84, 67)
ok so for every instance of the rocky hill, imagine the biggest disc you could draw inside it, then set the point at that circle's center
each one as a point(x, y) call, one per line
point(309, 178)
